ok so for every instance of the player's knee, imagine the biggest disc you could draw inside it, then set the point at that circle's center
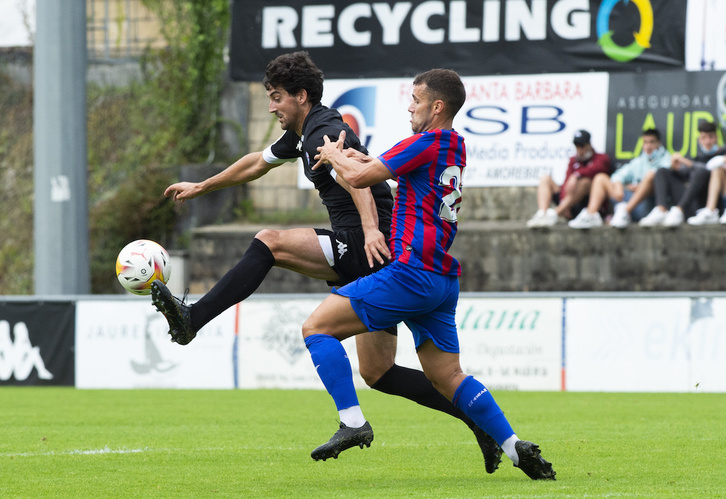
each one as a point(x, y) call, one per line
point(309, 327)
point(269, 237)
point(372, 372)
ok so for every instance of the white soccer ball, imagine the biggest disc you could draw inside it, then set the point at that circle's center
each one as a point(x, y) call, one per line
point(140, 263)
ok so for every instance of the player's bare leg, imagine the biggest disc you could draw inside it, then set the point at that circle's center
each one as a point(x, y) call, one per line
point(295, 249)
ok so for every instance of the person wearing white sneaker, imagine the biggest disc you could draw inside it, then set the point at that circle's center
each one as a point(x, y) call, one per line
point(716, 187)
point(630, 185)
point(583, 166)
point(686, 181)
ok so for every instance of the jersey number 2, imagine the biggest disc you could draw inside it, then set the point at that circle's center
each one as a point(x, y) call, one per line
point(451, 181)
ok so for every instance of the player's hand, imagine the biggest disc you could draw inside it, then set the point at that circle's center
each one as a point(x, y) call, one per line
point(181, 191)
point(376, 247)
point(329, 149)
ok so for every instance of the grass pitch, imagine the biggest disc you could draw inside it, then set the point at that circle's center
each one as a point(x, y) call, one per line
point(62, 442)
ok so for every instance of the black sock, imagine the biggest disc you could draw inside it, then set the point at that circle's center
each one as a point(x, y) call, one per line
point(236, 285)
point(414, 385)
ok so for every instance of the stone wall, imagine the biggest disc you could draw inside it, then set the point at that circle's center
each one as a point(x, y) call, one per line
point(506, 256)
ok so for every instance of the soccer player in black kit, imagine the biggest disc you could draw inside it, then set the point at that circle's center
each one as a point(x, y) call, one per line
point(356, 246)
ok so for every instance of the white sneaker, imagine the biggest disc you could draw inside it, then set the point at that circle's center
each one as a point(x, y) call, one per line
point(621, 217)
point(722, 220)
point(654, 218)
point(586, 220)
point(674, 217)
point(550, 218)
point(543, 218)
point(536, 219)
point(704, 216)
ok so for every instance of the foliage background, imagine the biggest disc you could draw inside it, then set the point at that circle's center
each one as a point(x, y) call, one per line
point(138, 136)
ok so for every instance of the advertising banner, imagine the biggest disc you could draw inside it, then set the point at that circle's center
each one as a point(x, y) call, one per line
point(517, 128)
point(387, 39)
point(513, 344)
point(271, 352)
point(706, 35)
point(36, 343)
point(674, 102)
point(125, 344)
point(646, 344)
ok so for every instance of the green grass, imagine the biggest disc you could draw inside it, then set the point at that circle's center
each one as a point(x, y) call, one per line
point(60, 442)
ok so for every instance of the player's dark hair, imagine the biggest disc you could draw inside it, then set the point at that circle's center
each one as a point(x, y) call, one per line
point(445, 85)
point(651, 132)
point(707, 127)
point(294, 72)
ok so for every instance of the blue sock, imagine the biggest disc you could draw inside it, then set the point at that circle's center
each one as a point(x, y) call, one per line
point(333, 366)
point(475, 400)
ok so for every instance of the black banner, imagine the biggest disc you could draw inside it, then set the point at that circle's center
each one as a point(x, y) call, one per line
point(674, 102)
point(37, 343)
point(476, 38)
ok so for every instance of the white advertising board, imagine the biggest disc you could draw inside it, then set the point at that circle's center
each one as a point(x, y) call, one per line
point(513, 344)
point(516, 128)
point(646, 344)
point(271, 352)
point(506, 343)
point(124, 344)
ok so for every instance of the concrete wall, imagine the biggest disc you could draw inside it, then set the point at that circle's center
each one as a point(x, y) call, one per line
point(506, 256)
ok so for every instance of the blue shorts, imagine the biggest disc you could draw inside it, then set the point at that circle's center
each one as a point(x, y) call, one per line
point(424, 301)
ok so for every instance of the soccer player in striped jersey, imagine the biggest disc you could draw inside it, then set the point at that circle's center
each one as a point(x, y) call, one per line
point(360, 221)
point(420, 287)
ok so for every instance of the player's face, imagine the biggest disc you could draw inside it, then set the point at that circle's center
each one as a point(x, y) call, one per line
point(650, 144)
point(421, 109)
point(707, 140)
point(287, 108)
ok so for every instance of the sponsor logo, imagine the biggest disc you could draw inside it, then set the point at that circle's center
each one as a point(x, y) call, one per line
point(721, 100)
point(641, 37)
point(342, 248)
point(283, 332)
point(357, 106)
point(18, 358)
point(433, 22)
point(152, 361)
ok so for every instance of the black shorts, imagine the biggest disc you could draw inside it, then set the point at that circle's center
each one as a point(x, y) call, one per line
point(349, 256)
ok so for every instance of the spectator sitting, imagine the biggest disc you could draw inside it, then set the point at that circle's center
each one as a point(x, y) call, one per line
point(583, 166)
point(628, 186)
point(716, 186)
point(685, 183)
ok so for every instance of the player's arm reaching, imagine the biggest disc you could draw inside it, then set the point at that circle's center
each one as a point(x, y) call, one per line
point(376, 245)
point(249, 167)
point(357, 169)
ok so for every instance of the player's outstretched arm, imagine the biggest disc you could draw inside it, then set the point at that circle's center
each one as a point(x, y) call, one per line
point(246, 169)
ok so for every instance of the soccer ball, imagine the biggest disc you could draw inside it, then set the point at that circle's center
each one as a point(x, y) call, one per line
point(140, 263)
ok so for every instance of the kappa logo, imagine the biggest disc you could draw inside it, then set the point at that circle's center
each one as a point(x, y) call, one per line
point(342, 248)
point(18, 358)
